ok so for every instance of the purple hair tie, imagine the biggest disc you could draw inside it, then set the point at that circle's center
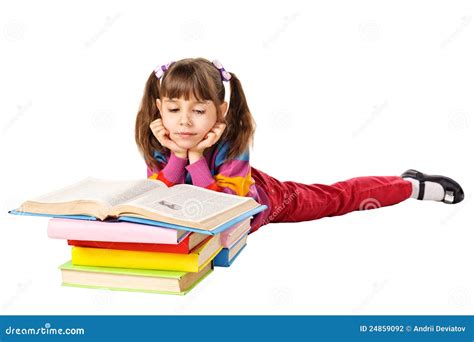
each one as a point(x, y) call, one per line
point(224, 74)
point(160, 70)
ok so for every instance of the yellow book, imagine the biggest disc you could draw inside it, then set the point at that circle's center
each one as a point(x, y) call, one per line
point(195, 261)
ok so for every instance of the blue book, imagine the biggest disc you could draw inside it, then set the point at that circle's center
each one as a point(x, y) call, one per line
point(151, 202)
point(227, 256)
point(220, 228)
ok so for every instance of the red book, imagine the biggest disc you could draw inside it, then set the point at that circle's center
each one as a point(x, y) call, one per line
point(184, 247)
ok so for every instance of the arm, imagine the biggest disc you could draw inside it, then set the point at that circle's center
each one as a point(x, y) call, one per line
point(172, 173)
point(233, 176)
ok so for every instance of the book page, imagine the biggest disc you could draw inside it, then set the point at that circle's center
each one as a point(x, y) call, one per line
point(105, 191)
point(188, 202)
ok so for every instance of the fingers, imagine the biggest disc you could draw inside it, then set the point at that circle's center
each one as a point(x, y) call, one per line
point(160, 132)
point(218, 129)
point(158, 123)
point(157, 126)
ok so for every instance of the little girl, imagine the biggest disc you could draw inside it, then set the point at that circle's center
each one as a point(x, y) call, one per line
point(188, 134)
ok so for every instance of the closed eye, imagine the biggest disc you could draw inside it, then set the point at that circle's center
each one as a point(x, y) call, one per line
point(173, 110)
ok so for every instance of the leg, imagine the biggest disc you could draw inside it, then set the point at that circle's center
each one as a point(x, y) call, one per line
point(296, 202)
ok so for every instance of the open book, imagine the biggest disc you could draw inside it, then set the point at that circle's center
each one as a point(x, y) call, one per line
point(146, 200)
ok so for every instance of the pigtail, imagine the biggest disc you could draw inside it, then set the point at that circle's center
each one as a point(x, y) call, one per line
point(202, 79)
point(241, 126)
point(147, 113)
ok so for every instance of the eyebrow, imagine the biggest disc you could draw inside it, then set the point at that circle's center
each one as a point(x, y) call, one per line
point(203, 102)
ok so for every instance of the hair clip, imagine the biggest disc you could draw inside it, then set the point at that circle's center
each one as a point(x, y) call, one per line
point(224, 74)
point(159, 71)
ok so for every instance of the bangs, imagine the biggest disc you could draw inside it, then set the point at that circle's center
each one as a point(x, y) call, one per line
point(184, 81)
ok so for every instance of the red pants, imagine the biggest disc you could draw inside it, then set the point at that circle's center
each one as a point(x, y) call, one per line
point(295, 202)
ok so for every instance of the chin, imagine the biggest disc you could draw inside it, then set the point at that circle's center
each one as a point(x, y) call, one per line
point(186, 145)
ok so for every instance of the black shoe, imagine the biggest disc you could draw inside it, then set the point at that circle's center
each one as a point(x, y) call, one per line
point(453, 192)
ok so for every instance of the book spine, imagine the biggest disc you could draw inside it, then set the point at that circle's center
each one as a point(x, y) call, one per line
point(104, 257)
point(181, 248)
point(109, 231)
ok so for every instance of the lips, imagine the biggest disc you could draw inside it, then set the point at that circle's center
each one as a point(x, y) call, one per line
point(185, 135)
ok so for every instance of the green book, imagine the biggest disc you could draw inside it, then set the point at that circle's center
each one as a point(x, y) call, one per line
point(127, 279)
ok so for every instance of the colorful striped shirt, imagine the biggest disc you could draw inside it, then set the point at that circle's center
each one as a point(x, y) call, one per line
point(212, 172)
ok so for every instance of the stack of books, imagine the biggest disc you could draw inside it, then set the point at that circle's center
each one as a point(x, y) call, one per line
point(142, 235)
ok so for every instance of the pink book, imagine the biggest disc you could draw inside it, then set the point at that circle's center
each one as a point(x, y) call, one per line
point(73, 229)
point(229, 236)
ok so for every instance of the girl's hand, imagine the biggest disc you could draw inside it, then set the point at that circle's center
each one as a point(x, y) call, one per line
point(210, 139)
point(162, 134)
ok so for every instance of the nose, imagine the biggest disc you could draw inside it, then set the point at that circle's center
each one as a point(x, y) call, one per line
point(185, 120)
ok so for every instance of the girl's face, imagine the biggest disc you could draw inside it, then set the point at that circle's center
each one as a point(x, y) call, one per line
point(188, 116)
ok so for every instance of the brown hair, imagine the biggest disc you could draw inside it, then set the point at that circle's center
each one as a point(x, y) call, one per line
point(199, 77)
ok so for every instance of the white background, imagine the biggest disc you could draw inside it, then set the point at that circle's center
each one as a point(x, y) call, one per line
point(338, 89)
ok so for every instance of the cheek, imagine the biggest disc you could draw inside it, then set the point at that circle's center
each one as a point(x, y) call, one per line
point(167, 122)
point(208, 124)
